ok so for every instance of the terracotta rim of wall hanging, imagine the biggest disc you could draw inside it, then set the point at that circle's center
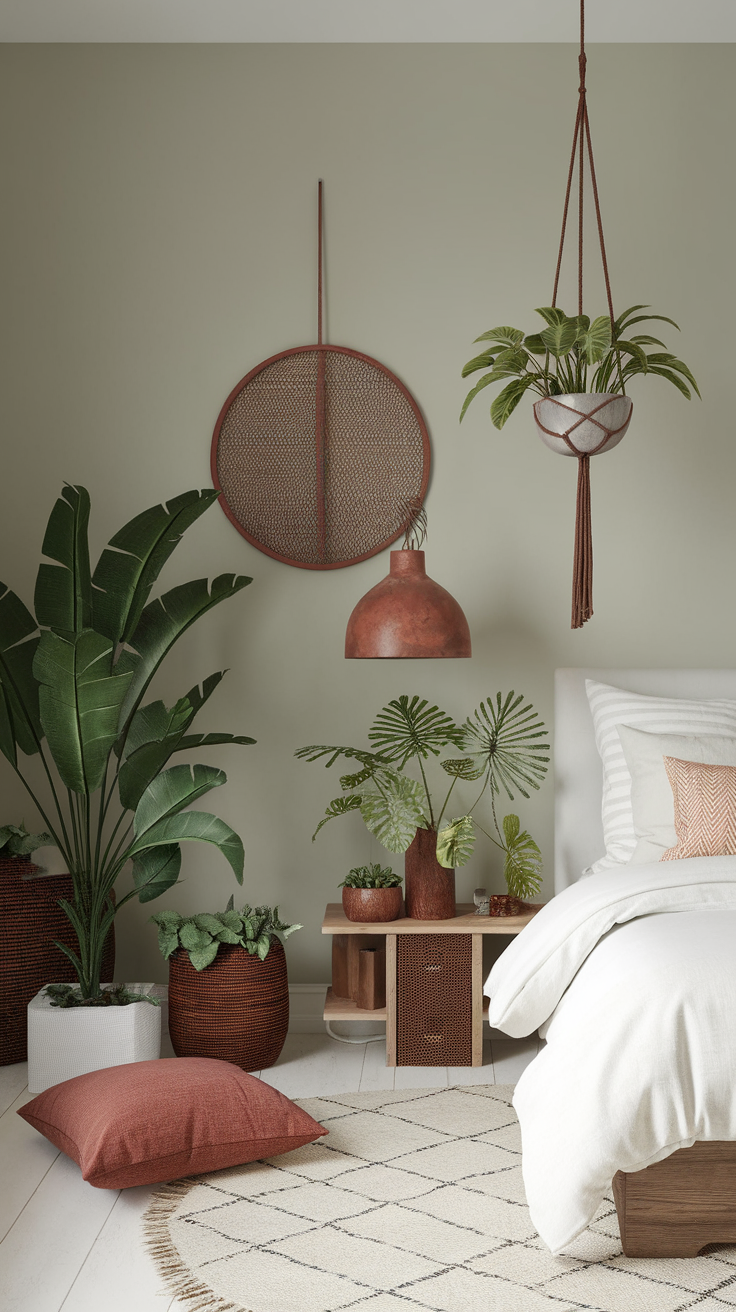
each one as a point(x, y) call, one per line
point(318, 450)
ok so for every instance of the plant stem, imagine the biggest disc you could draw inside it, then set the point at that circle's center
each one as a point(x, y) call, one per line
point(426, 789)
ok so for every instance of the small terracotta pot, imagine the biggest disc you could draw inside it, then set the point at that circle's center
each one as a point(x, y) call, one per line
point(429, 889)
point(503, 904)
point(371, 904)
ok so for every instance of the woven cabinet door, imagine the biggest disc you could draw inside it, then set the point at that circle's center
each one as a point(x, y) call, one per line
point(434, 1000)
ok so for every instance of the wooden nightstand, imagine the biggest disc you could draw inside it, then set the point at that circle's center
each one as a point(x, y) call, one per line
point(434, 982)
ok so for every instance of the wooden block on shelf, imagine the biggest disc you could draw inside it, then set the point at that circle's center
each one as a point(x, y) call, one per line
point(340, 978)
point(346, 950)
point(372, 978)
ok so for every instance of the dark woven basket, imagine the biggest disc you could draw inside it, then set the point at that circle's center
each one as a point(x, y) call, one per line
point(30, 920)
point(237, 1009)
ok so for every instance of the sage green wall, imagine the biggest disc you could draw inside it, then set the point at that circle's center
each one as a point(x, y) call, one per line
point(158, 242)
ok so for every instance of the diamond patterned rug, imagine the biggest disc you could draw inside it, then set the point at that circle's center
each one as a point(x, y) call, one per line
point(415, 1203)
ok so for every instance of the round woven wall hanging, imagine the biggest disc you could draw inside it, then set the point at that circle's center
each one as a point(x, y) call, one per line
point(318, 451)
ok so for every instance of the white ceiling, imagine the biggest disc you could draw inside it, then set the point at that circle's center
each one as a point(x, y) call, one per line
point(365, 20)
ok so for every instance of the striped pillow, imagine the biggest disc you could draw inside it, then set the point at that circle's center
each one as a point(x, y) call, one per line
point(613, 706)
point(705, 809)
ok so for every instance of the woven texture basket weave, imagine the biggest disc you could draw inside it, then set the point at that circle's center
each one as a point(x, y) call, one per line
point(434, 1000)
point(237, 1009)
point(30, 919)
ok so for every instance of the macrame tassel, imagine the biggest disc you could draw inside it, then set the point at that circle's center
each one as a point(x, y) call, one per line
point(582, 578)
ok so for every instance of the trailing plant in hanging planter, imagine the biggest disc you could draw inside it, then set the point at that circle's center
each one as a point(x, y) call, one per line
point(503, 742)
point(572, 355)
point(73, 683)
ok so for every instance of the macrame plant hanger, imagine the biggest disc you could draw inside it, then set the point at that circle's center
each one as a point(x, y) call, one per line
point(582, 147)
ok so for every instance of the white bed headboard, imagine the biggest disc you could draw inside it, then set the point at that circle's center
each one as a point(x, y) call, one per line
point(578, 778)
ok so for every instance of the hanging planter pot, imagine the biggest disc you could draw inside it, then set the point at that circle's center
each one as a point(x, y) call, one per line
point(573, 352)
point(582, 423)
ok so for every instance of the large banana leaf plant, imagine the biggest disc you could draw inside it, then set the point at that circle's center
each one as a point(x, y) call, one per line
point(572, 355)
point(503, 749)
point(73, 683)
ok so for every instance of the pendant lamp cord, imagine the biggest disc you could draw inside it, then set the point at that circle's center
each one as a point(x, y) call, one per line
point(320, 397)
point(582, 588)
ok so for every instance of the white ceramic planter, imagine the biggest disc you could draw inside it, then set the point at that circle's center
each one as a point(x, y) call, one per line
point(556, 415)
point(68, 1041)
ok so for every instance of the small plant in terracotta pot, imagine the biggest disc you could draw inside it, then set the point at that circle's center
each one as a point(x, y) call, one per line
point(371, 893)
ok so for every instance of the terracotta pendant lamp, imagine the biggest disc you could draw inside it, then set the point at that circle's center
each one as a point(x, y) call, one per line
point(407, 615)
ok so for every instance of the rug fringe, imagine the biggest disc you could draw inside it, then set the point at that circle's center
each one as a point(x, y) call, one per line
point(171, 1268)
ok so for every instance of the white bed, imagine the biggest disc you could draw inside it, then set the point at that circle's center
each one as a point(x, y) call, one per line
point(630, 974)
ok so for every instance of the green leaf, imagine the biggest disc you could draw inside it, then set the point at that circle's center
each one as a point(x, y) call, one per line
point(20, 719)
point(483, 361)
point(80, 702)
point(372, 760)
point(594, 341)
point(504, 739)
point(63, 592)
point(340, 806)
point(672, 378)
point(205, 920)
point(203, 957)
point(626, 321)
point(156, 870)
point(394, 815)
point(351, 781)
point(487, 378)
point(455, 842)
point(631, 348)
point(559, 338)
point(535, 343)
point(553, 315)
point(505, 336)
point(193, 826)
point(507, 400)
point(523, 862)
point(463, 768)
point(668, 361)
point(405, 730)
point(263, 945)
point(163, 622)
point(510, 363)
point(225, 935)
point(126, 573)
point(173, 790)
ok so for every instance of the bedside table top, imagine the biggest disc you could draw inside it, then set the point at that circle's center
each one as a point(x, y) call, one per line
point(464, 922)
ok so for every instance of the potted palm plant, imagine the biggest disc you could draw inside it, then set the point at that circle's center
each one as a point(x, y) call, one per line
point(574, 365)
point(74, 678)
point(502, 750)
point(228, 984)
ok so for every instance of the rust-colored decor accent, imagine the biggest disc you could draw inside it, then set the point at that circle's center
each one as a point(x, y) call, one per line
point(429, 889)
point(433, 1000)
point(236, 1009)
point(677, 1206)
point(371, 979)
point(705, 809)
point(407, 615)
point(30, 920)
point(372, 904)
point(503, 904)
point(316, 452)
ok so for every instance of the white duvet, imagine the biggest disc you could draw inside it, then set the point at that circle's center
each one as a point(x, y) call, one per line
point(631, 977)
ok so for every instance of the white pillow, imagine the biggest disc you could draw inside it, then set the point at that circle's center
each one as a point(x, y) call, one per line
point(613, 706)
point(652, 800)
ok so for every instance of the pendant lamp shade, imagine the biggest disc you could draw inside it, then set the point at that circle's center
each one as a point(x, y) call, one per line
point(407, 615)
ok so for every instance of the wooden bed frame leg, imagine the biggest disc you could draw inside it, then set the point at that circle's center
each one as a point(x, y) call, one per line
point(677, 1206)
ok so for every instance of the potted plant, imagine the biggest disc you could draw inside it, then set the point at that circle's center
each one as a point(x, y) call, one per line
point(73, 683)
point(577, 368)
point(228, 985)
point(502, 746)
point(371, 893)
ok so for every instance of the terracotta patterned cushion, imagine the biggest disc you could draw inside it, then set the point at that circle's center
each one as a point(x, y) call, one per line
point(705, 808)
point(150, 1121)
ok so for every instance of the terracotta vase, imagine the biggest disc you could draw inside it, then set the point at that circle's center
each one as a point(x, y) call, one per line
point(237, 1009)
point(504, 904)
point(429, 889)
point(372, 904)
point(407, 615)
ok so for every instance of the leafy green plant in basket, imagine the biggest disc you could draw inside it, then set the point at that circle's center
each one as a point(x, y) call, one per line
point(572, 355)
point(15, 840)
point(73, 683)
point(202, 935)
point(503, 742)
point(373, 876)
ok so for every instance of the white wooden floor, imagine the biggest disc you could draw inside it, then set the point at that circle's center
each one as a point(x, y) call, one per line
point(65, 1244)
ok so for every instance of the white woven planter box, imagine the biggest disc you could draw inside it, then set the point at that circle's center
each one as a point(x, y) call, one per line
point(68, 1041)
